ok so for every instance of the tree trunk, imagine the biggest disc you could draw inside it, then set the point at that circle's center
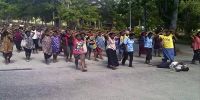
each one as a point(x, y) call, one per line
point(99, 24)
point(35, 21)
point(173, 23)
point(95, 24)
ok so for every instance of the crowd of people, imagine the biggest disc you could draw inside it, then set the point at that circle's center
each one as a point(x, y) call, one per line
point(82, 45)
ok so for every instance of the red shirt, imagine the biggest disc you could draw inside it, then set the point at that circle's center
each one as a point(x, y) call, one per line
point(78, 46)
point(196, 43)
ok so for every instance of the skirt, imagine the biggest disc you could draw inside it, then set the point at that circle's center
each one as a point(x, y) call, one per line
point(142, 49)
point(112, 57)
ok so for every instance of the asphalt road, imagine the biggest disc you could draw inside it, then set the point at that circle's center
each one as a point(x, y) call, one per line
point(35, 80)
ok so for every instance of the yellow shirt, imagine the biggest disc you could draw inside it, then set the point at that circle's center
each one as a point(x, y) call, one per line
point(167, 41)
point(122, 38)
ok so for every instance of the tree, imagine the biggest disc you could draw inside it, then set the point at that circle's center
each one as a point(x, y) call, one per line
point(189, 16)
point(168, 10)
point(78, 13)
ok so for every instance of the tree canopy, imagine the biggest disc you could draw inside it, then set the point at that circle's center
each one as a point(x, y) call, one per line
point(172, 14)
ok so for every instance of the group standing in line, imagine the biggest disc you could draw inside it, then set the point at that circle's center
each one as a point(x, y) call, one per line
point(82, 45)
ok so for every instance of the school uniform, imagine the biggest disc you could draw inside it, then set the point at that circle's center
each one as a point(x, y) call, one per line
point(129, 43)
point(148, 44)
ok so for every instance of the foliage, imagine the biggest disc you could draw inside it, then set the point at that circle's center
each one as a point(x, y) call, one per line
point(189, 16)
point(107, 13)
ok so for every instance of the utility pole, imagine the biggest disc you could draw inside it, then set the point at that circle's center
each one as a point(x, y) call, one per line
point(145, 15)
point(130, 20)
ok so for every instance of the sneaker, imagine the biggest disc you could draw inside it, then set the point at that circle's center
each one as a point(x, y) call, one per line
point(130, 66)
point(67, 60)
point(148, 61)
point(84, 70)
point(96, 60)
point(9, 60)
point(193, 62)
point(113, 67)
point(70, 60)
point(77, 67)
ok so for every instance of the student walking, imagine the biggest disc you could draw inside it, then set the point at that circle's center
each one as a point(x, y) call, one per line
point(35, 39)
point(148, 44)
point(168, 47)
point(157, 46)
point(129, 44)
point(64, 44)
point(196, 48)
point(100, 41)
point(111, 52)
point(56, 44)
point(141, 43)
point(6, 45)
point(123, 37)
point(17, 39)
point(92, 47)
point(28, 45)
point(46, 46)
point(79, 53)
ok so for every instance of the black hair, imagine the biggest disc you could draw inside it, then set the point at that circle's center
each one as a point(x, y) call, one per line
point(4, 33)
point(131, 35)
point(111, 33)
point(198, 32)
point(150, 33)
point(27, 31)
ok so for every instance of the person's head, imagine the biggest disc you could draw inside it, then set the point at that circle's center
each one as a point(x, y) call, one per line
point(21, 28)
point(99, 34)
point(28, 33)
point(112, 35)
point(78, 36)
point(150, 34)
point(66, 31)
point(143, 33)
point(83, 34)
point(16, 30)
point(5, 32)
point(33, 28)
point(127, 32)
point(167, 32)
point(122, 33)
point(198, 34)
point(57, 31)
point(131, 36)
point(47, 32)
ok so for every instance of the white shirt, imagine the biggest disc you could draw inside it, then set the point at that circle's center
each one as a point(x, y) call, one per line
point(111, 44)
point(35, 36)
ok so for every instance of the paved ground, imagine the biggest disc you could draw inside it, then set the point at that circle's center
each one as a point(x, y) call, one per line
point(60, 81)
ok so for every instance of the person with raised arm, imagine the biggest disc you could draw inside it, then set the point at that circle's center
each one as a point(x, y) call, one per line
point(129, 51)
point(46, 45)
point(6, 45)
point(168, 46)
point(196, 47)
point(148, 44)
point(78, 51)
point(28, 46)
point(111, 52)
